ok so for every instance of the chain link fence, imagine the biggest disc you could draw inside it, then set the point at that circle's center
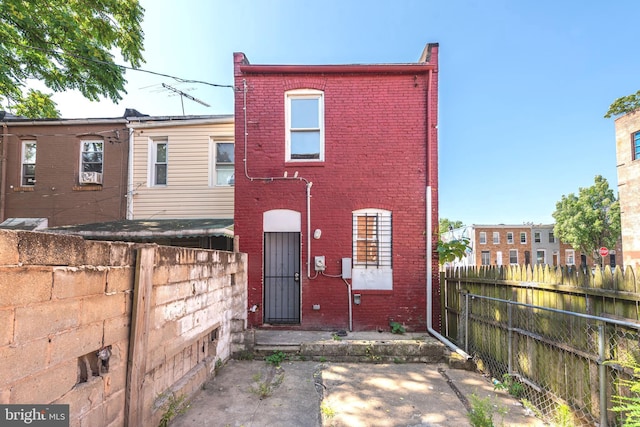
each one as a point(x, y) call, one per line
point(561, 363)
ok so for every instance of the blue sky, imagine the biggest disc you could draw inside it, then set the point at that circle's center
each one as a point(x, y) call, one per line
point(524, 84)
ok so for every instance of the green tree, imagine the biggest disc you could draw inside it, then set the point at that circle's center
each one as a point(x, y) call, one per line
point(445, 223)
point(624, 105)
point(67, 44)
point(589, 220)
point(37, 105)
point(450, 250)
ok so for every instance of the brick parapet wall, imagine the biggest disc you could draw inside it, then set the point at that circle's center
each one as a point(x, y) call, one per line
point(62, 299)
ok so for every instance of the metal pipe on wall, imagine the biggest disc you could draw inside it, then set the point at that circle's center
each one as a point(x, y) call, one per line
point(3, 166)
point(274, 178)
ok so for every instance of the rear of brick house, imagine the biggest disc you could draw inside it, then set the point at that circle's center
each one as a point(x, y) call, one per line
point(67, 171)
point(336, 170)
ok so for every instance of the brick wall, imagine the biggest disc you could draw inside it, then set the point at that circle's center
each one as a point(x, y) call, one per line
point(378, 131)
point(629, 187)
point(64, 299)
point(57, 194)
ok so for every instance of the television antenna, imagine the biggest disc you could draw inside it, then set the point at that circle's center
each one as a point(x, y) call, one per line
point(184, 95)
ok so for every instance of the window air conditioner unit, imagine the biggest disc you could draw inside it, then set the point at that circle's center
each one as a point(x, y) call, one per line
point(90, 178)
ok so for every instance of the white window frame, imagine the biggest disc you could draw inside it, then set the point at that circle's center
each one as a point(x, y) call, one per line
point(153, 151)
point(510, 237)
point(23, 163)
point(82, 151)
point(496, 237)
point(523, 237)
point(570, 256)
point(213, 162)
point(483, 237)
point(487, 255)
point(511, 252)
point(537, 236)
point(377, 273)
point(304, 94)
point(544, 256)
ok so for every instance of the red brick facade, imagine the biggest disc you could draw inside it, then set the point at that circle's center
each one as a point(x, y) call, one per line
point(57, 193)
point(380, 152)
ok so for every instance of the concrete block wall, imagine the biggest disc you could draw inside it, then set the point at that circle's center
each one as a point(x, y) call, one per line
point(198, 298)
point(63, 299)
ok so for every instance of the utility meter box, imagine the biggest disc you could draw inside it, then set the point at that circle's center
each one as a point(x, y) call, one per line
point(346, 268)
point(320, 263)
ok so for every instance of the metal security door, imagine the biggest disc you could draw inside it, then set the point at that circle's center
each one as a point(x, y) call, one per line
point(282, 278)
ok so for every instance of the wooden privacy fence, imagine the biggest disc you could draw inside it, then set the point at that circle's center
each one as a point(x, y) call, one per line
point(562, 334)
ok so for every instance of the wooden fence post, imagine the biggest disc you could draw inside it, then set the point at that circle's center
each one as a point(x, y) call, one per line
point(139, 336)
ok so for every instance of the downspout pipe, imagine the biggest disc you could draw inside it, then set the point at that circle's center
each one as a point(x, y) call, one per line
point(429, 242)
point(308, 183)
point(129, 214)
point(3, 166)
point(432, 331)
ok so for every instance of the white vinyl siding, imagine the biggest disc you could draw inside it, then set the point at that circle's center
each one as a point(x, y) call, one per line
point(188, 193)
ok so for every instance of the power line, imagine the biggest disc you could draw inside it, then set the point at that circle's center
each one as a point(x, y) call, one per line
point(124, 67)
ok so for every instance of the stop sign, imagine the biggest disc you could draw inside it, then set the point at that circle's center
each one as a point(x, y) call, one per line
point(604, 251)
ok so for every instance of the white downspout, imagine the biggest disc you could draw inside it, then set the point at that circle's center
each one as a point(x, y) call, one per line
point(429, 242)
point(309, 184)
point(432, 331)
point(129, 214)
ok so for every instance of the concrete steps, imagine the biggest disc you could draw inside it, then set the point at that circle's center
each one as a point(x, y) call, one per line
point(356, 347)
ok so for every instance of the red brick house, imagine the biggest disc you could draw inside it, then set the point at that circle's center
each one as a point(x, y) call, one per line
point(336, 169)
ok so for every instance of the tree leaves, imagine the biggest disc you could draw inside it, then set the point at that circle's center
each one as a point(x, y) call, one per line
point(590, 220)
point(624, 105)
point(37, 104)
point(68, 45)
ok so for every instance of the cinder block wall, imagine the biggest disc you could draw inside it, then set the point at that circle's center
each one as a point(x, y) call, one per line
point(64, 299)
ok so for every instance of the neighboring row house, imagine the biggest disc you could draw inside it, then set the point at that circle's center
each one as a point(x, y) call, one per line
point(167, 180)
point(528, 244)
point(628, 161)
point(63, 171)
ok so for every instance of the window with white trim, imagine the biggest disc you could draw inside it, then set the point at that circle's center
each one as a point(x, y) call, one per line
point(91, 155)
point(496, 237)
point(158, 161)
point(537, 236)
point(483, 237)
point(523, 237)
point(541, 256)
point(513, 256)
point(570, 256)
point(28, 162)
point(485, 258)
point(510, 237)
point(372, 249)
point(223, 163)
point(304, 125)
